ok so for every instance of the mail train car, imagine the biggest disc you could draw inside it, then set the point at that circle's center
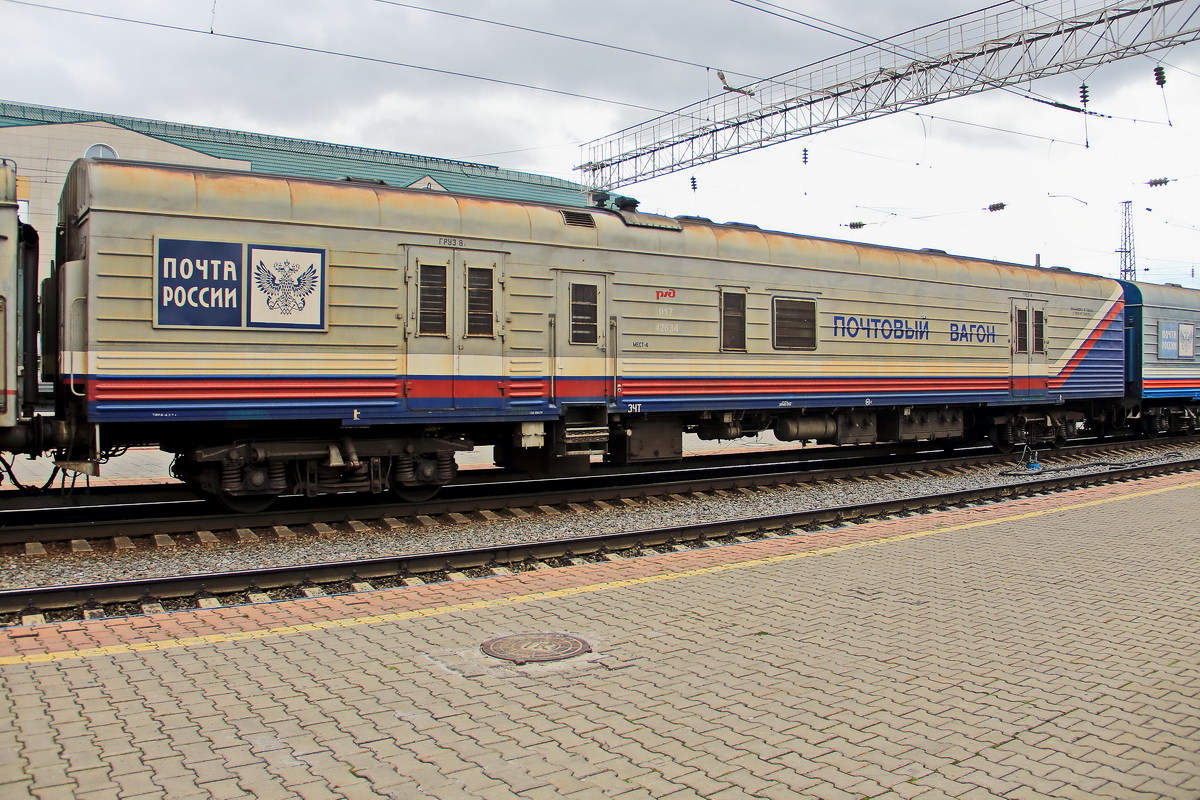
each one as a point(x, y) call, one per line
point(285, 335)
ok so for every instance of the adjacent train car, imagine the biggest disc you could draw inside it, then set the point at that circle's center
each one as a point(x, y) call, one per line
point(285, 335)
point(18, 304)
point(9, 242)
point(1164, 373)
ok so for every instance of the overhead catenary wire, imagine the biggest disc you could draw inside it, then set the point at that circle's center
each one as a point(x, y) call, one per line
point(337, 54)
point(879, 44)
point(206, 25)
point(564, 37)
point(662, 145)
point(867, 40)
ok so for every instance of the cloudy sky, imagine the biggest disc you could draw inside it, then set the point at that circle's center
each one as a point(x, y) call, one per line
point(377, 73)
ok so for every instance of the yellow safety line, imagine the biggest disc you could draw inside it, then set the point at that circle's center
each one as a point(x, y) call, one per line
point(238, 636)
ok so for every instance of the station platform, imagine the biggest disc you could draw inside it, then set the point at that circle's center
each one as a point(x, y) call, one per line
point(1041, 648)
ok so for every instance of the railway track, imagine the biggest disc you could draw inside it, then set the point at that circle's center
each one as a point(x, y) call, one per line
point(166, 515)
point(153, 594)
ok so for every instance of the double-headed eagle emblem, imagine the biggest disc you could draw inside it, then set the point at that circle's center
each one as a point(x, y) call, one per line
point(285, 286)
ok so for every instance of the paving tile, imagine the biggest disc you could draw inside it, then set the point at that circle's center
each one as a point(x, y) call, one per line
point(1031, 656)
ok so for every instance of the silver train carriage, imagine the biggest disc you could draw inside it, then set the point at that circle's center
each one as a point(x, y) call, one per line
point(285, 335)
point(1163, 393)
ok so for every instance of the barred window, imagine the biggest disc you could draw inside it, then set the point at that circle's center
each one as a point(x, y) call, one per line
point(480, 302)
point(795, 324)
point(1022, 343)
point(733, 320)
point(585, 314)
point(1039, 330)
point(431, 301)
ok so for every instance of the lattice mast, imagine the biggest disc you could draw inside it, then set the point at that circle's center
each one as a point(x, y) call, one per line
point(1128, 260)
point(988, 49)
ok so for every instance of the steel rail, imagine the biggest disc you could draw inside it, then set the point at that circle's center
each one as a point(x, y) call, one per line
point(15, 601)
point(178, 516)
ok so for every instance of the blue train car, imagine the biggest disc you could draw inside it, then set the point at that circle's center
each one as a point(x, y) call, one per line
point(1161, 360)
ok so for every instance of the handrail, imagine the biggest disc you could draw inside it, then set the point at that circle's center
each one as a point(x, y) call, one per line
point(71, 347)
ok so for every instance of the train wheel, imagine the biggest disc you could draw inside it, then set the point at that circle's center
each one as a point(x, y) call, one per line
point(416, 479)
point(1001, 444)
point(245, 503)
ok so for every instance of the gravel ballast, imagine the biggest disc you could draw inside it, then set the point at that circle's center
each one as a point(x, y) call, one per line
point(105, 564)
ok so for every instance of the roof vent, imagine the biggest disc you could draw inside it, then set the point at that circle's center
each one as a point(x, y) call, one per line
point(578, 219)
point(747, 225)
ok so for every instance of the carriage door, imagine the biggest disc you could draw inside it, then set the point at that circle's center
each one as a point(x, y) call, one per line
point(581, 368)
point(478, 329)
point(1028, 348)
point(453, 328)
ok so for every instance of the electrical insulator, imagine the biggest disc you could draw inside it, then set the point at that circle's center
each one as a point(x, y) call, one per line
point(693, 183)
point(1158, 182)
point(856, 225)
point(1083, 93)
point(1160, 76)
point(804, 156)
point(996, 207)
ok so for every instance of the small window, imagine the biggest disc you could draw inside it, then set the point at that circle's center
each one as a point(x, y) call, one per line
point(431, 302)
point(1022, 324)
point(585, 314)
point(100, 151)
point(1039, 330)
point(733, 320)
point(795, 324)
point(480, 302)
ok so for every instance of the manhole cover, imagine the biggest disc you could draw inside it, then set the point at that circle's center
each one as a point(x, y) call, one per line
point(525, 647)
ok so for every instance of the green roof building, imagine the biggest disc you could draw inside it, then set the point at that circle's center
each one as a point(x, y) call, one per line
point(44, 142)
